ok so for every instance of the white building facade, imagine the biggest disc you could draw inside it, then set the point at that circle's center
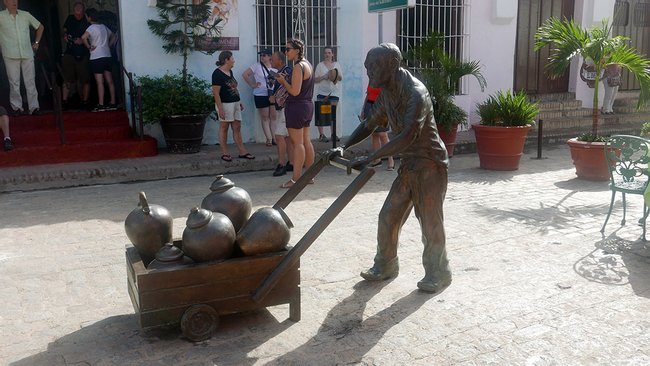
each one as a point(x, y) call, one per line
point(491, 31)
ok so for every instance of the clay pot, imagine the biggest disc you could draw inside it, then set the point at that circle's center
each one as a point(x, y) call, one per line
point(500, 148)
point(169, 257)
point(208, 236)
point(229, 200)
point(267, 231)
point(148, 227)
point(589, 160)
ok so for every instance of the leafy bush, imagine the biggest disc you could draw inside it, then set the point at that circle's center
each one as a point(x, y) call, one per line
point(590, 137)
point(448, 114)
point(507, 109)
point(167, 95)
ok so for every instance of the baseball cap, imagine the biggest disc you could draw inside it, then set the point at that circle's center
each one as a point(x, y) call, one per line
point(265, 51)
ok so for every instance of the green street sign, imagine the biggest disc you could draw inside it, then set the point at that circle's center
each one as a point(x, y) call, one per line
point(384, 5)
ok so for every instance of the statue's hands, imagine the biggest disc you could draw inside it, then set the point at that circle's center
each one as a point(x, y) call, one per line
point(359, 162)
point(335, 151)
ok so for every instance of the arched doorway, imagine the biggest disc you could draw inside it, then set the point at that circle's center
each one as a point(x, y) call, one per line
point(529, 65)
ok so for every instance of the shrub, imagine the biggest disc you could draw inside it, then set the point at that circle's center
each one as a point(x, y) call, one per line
point(507, 109)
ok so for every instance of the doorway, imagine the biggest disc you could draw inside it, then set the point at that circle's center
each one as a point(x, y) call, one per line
point(632, 20)
point(529, 65)
point(47, 61)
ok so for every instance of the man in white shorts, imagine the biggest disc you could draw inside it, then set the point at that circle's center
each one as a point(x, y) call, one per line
point(285, 149)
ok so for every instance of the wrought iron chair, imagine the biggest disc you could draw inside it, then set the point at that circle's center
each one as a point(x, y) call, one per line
point(627, 158)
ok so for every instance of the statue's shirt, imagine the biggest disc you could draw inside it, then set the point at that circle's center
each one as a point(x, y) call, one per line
point(408, 109)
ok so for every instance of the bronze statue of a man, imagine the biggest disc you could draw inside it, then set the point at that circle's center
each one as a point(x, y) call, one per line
point(421, 183)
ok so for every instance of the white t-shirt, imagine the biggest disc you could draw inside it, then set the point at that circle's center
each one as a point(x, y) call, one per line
point(261, 76)
point(99, 37)
point(326, 86)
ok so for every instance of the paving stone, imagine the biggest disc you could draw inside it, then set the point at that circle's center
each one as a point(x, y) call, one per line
point(535, 282)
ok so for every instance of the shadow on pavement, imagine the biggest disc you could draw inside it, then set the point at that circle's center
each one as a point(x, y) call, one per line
point(545, 218)
point(480, 176)
point(118, 340)
point(582, 185)
point(345, 330)
point(618, 262)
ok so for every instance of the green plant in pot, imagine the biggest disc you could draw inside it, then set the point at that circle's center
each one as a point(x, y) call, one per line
point(441, 73)
point(181, 102)
point(596, 45)
point(506, 118)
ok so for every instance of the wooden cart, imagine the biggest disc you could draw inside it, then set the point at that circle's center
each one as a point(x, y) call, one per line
point(195, 295)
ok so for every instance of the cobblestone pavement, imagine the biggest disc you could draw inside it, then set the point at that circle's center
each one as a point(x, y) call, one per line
point(535, 282)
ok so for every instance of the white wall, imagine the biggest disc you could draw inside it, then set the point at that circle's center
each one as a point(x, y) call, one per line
point(358, 32)
point(492, 27)
point(493, 33)
point(588, 13)
point(143, 55)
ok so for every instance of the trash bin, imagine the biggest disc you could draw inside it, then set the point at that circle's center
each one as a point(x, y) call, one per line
point(323, 112)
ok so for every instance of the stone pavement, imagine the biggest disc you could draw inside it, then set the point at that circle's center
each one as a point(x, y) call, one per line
point(535, 282)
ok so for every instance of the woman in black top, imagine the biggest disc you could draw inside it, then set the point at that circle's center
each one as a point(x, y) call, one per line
point(228, 105)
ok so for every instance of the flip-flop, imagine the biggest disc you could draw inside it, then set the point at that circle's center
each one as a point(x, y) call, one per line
point(288, 184)
point(226, 157)
point(390, 168)
point(247, 156)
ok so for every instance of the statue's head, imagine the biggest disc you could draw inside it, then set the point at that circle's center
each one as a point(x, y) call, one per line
point(382, 62)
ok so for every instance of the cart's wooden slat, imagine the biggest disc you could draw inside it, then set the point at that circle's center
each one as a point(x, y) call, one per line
point(202, 273)
point(206, 291)
point(133, 261)
point(286, 291)
point(133, 292)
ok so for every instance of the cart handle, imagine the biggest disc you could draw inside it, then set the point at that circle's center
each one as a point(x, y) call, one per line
point(330, 157)
point(310, 236)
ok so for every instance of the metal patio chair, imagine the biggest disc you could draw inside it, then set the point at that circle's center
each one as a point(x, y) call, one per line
point(627, 159)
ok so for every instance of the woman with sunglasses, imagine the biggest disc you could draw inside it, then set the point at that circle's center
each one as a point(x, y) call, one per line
point(299, 108)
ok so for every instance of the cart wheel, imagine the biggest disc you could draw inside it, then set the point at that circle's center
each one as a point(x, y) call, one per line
point(199, 322)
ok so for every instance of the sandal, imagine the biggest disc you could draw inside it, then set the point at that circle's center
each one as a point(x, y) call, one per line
point(226, 157)
point(288, 184)
point(311, 181)
point(247, 156)
point(269, 143)
point(390, 168)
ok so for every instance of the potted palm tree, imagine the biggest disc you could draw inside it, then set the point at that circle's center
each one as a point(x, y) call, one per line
point(506, 119)
point(181, 102)
point(596, 45)
point(441, 74)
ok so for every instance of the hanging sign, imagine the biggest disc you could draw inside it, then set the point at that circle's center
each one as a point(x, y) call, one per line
point(384, 5)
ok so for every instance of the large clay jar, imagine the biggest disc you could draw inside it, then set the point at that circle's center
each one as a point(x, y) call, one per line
point(267, 230)
point(148, 227)
point(208, 236)
point(229, 200)
point(169, 257)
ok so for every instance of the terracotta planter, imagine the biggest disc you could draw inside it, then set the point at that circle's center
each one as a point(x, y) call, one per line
point(589, 160)
point(449, 138)
point(500, 148)
point(184, 133)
